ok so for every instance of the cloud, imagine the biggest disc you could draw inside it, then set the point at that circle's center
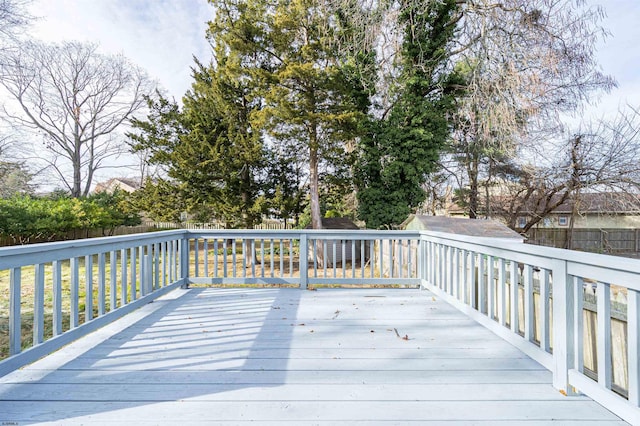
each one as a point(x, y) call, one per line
point(161, 36)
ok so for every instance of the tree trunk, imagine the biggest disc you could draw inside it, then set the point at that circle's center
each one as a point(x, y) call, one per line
point(247, 220)
point(314, 202)
point(472, 169)
point(572, 218)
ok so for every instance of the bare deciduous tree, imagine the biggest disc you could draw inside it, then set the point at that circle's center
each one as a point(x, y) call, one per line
point(602, 157)
point(13, 15)
point(525, 62)
point(74, 99)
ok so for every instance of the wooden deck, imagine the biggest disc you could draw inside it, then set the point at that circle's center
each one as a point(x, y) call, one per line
point(286, 356)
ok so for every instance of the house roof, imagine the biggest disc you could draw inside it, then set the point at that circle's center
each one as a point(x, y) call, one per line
point(461, 226)
point(337, 223)
point(589, 203)
point(599, 203)
point(126, 184)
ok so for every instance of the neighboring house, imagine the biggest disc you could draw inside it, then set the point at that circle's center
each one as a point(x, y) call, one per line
point(123, 184)
point(606, 210)
point(474, 228)
point(612, 210)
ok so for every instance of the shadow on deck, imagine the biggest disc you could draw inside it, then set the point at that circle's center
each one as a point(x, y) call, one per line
point(229, 356)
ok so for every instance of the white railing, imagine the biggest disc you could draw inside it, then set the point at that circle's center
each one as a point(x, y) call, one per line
point(331, 257)
point(64, 290)
point(534, 297)
point(531, 296)
point(57, 292)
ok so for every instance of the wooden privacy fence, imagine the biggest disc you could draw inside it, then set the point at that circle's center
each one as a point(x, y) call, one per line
point(76, 234)
point(558, 306)
point(593, 240)
point(266, 224)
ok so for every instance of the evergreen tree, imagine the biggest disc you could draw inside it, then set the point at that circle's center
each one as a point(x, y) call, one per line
point(209, 148)
point(218, 157)
point(402, 148)
point(284, 50)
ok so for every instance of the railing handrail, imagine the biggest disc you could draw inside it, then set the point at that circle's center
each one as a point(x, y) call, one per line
point(313, 233)
point(58, 246)
point(547, 255)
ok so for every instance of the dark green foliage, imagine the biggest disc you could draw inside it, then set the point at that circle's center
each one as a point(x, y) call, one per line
point(401, 149)
point(284, 184)
point(208, 149)
point(161, 200)
point(25, 218)
point(160, 133)
point(220, 156)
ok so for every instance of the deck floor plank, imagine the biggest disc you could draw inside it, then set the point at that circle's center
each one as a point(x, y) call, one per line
point(286, 356)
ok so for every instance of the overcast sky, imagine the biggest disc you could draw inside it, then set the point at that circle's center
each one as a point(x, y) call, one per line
point(162, 36)
point(619, 54)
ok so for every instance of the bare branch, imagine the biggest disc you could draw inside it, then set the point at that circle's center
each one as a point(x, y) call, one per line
point(74, 98)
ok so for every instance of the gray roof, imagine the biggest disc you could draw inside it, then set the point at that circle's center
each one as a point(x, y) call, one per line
point(461, 226)
point(336, 223)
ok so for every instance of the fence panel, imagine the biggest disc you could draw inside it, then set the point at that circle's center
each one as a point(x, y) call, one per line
point(618, 241)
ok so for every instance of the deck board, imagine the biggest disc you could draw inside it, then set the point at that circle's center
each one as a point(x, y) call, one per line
point(286, 356)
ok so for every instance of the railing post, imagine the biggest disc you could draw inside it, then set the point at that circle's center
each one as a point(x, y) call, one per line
point(184, 260)
point(15, 322)
point(420, 262)
point(563, 327)
point(304, 261)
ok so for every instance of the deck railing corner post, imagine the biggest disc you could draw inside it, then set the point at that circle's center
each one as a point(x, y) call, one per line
point(184, 259)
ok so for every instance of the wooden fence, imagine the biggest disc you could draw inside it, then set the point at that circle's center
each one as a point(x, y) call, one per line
point(79, 234)
point(611, 241)
point(266, 224)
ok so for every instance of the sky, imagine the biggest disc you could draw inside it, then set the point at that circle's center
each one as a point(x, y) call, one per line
point(619, 55)
point(162, 36)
